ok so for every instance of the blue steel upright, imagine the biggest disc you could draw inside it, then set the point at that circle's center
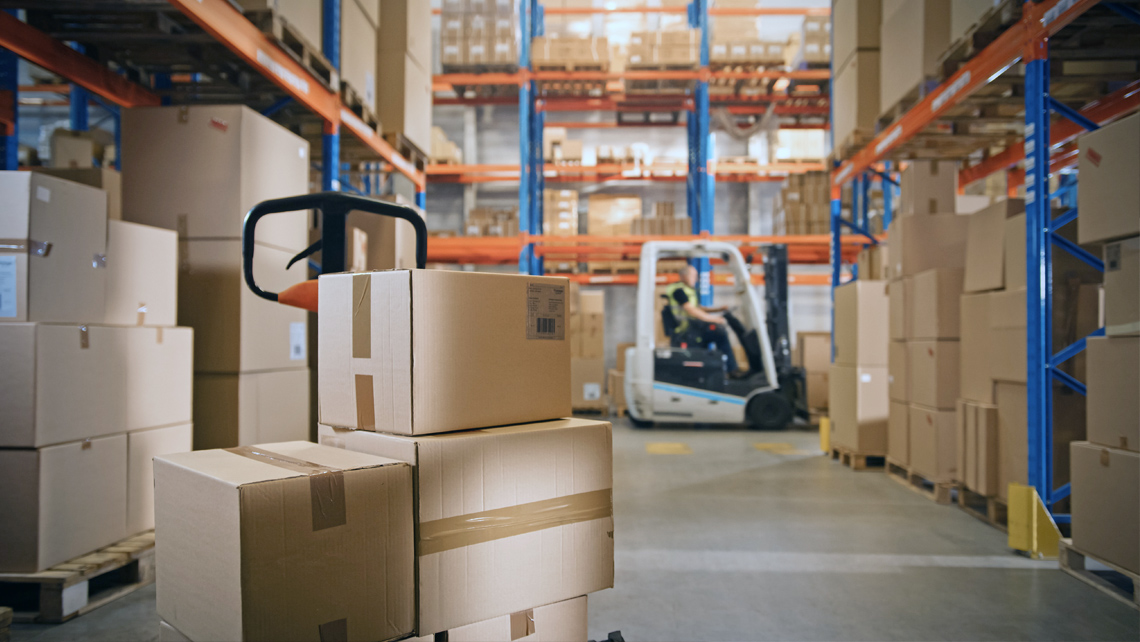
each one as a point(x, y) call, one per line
point(10, 83)
point(700, 185)
point(77, 102)
point(330, 139)
point(528, 183)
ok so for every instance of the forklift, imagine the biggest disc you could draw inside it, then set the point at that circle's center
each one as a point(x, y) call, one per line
point(689, 383)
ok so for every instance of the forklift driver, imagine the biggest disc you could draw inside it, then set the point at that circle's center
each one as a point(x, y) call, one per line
point(705, 328)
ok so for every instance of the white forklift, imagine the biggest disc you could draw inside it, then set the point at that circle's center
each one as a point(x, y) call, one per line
point(688, 383)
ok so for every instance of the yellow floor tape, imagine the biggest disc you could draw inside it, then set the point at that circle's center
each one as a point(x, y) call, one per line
point(668, 448)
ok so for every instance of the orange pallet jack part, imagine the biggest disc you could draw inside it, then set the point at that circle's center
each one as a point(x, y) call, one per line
point(303, 295)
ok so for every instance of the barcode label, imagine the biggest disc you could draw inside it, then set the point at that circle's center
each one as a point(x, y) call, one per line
point(546, 311)
point(298, 336)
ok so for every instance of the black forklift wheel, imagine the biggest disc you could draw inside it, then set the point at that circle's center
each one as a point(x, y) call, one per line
point(769, 411)
point(639, 423)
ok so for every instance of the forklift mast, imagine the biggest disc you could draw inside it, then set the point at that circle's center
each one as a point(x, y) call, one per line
point(776, 302)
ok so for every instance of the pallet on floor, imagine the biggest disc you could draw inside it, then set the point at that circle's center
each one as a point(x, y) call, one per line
point(991, 510)
point(82, 584)
point(939, 492)
point(601, 409)
point(1119, 583)
point(290, 40)
point(857, 461)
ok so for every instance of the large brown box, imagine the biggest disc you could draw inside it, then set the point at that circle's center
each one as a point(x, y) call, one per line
point(535, 488)
point(405, 99)
point(1122, 287)
point(142, 447)
point(934, 304)
point(985, 246)
point(1106, 503)
point(357, 52)
point(234, 329)
point(978, 447)
point(249, 408)
point(920, 243)
point(1013, 407)
point(933, 367)
point(564, 620)
point(282, 541)
point(1113, 383)
point(813, 351)
point(975, 365)
point(588, 383)
point(913, 39)
point(898, 371)
point(817, 390)
point(928, 187)
point(1109, 198)
point(856, 26)
point(142, 275)
point(199, 169)
point(933, 441)
point(105, 178)
point(472, 337)
point(861, 337)
point(859, 408)
point(59, 230)
point(900, 293)
point(898, 433)
point(63, 382)
point(405, 26)
point(856, 86)
point(1073, 319)
point(61, 502)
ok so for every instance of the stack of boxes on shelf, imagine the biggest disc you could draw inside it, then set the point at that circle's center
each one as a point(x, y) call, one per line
point(587, 350)
point(611, 215)
point(925, 264)
point(680, 48)
point(663, 222)
point(436, 494)
point(913, 35)
point(403, 71)
point(443, 150)
point(198, 170)
point(478, 33)
point(97, 378)
point(855, 71)
point(570, 53)
point(811, 46)
point(857, 382)
point(492, 221)
point(359, 23)
point(557, 148)
point(807, 203)
point(560, 218)
point(1106, 468)
point(813, 354)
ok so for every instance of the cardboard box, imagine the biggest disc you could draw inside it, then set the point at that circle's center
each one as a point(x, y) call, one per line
point(72, 149)
point(591, 330)
point(199, 169)
point(301, 14)
point(985, 246)
point(859, 408)
point(621, 350)
point(898, 371)
point(61, 502)
point(142, 447)
point(167, 633)
point(587, 383)
point(1065, 266)
point(284, 540)
point(1013, 449)
point(236, 330)
point(813, 351)
point(472, 337)
point(964, 14)
point(934, 309)
point(245, 409)
point(873, 262)
point(1122, 287)
point(65, 383)
point(977, 439)
point(563, 468)
point(898, 433)
point(933, 452)
point(57, 273)
point(1113, 381)
point(406, 108)
point(928, 187)
point(405, 26)
point(856, 86)
point(975, 370)
point(856, 27)
point(913, 39)
point(611, 214)
point(861, 337)
point(107, 179)
point(358, 52)
point(934, 373)
point(817, 390)
point(1008, 344)
point(615, 384)
point(900, 292)
point(1106, 503)
point(561, 621)
point(142, 275)
point(920, 243)
point(1109, 198)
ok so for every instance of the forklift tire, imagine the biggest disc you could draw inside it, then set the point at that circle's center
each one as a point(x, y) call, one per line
point(769, 411)
point(639, 423)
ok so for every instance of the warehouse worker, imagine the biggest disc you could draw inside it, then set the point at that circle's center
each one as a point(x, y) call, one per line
point(707, 328)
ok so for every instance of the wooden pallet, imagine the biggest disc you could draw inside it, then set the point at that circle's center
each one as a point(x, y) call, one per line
point(660, 86)
point(990, 510)
point(82, 584)
point(486, 68)
point(857, 461)
point(354, 101)
point(591, 410)
point(407, 149)
point(939, 492)
point(5, 623)
point(989, 26)
point(855, 141)
point(1119, 583)
point(572, 87)
point(291, 41)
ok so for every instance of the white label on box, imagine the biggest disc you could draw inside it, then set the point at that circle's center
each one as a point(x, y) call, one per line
point(297, 340)
point(591, 391)
point(865, 378)
point(43, 193)
point(545, 311)
point(369, 88)
point(8, 286)
point(300, 152)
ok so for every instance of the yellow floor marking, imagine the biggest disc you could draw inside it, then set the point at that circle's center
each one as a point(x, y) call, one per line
point(668, 448)
point(780, 449)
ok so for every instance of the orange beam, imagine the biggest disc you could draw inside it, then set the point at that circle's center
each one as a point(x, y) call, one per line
point(41, 49)
point(713, 11)
point(1039, 20)
point(443, 82)
point(665, 278)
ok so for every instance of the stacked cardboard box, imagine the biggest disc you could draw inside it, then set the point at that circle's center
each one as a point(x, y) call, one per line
point(478, 34)
point(672, 48)
point(574, 25)
point(914, 36)
point(611, 215)
point(662, 226)
point(302, 15)
point(855, 69)
point(198, 170)
point(731, 33)
point(814, 41)
point(813, 354)
point(97, 377)
point(359, 22)
point(105, 178)
point(443, 150)
point(587, 350)
point(570, 53)
point(492, 221)
point(857, 383)
point(807, 203)
point(560, 218)
point(557, 148)
point(615, 383)
point(1106, 468)
point(403, 71)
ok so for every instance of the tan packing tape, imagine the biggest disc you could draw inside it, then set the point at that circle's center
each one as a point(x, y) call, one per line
point(326, 484)
point(362, 349)
point(522, 624)
point(475, 528)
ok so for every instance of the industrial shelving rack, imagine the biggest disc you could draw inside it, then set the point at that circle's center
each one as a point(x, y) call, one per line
point(1047, 148)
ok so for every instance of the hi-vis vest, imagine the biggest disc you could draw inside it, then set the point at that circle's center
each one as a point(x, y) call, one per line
point(679, 313)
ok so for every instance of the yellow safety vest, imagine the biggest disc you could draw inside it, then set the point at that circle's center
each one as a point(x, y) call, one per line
point(678, 311)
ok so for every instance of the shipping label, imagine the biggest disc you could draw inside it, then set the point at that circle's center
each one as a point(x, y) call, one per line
point(298, 337)
point(546, 311)
point(8, 287)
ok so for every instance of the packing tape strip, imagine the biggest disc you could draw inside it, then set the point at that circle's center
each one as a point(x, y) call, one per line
point(365, 403)
point(475, 528)
point(20, 246)
point(84, 338)
point(362, 316)
point(522, 624)
point(326, 484)
point(1122, 328)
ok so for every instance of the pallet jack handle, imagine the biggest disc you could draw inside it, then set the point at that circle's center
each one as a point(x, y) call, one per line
point(334, 208)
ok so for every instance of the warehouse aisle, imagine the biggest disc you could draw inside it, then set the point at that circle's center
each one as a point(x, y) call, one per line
point(732, 542)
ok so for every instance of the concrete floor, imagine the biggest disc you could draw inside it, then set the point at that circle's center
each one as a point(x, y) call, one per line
point(731, 542)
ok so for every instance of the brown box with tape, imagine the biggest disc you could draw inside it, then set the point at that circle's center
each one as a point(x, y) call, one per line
point(142, 275)
point(284, 541)
point(488, 349)
point(499, 500)
point(565, 620)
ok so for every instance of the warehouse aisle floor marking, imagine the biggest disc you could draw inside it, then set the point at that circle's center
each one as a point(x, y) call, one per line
point(779, 448)
point(710, 561)
point(668, 448)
